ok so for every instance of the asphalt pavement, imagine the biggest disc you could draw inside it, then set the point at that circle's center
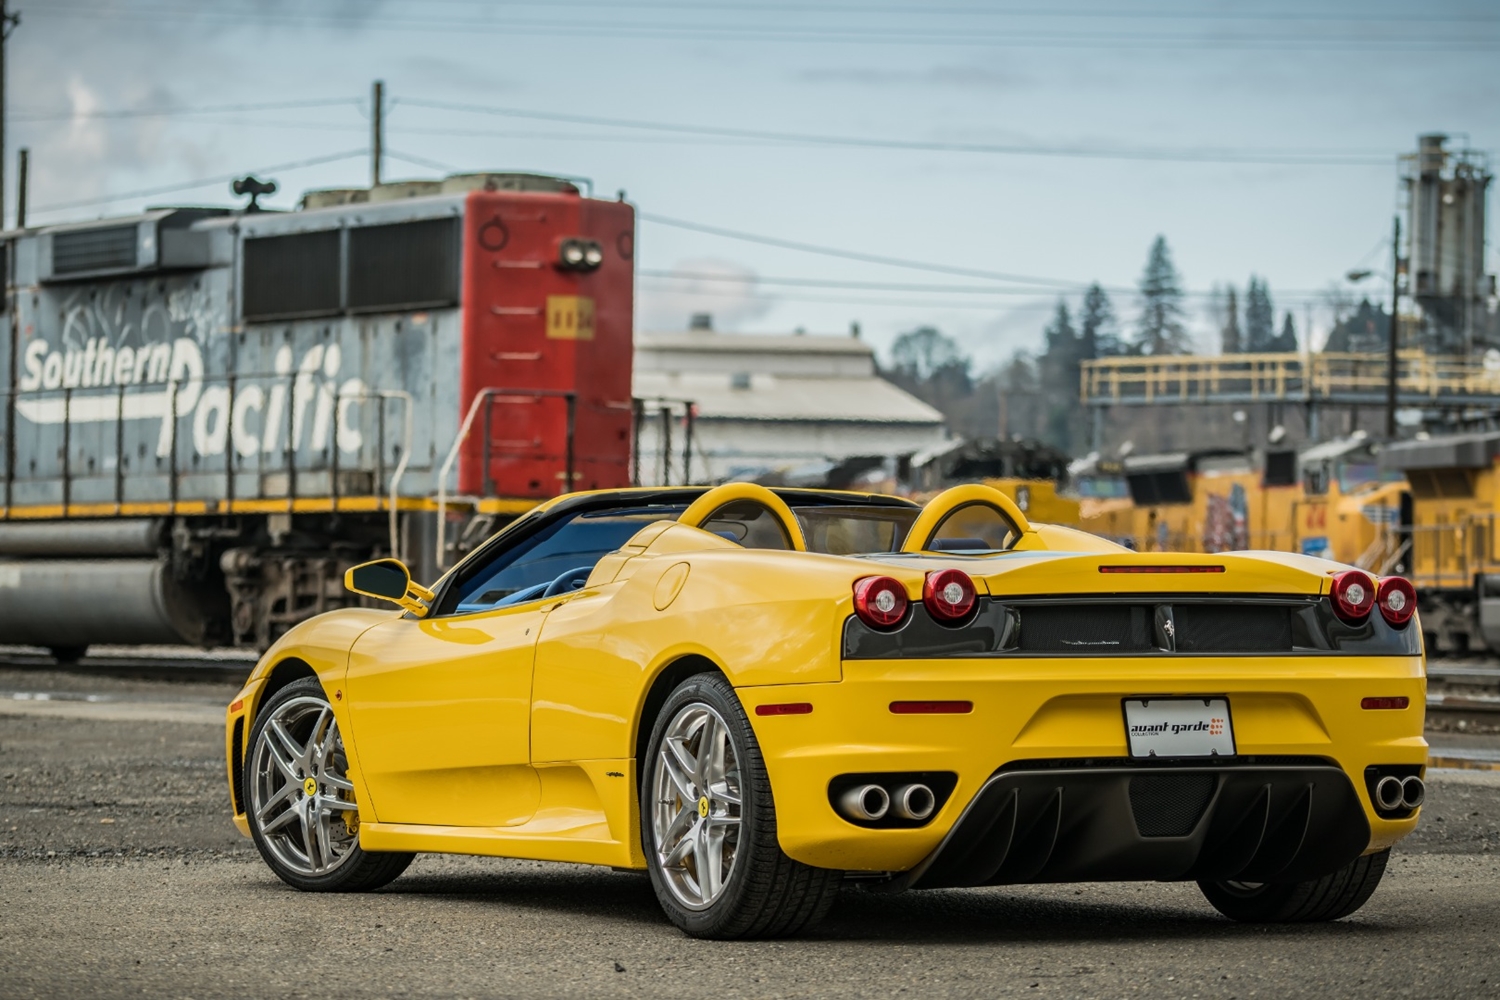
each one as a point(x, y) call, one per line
point(120, 875)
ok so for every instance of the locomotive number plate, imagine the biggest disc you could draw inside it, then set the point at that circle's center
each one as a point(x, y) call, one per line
point(1179, 727)
point(570, 317)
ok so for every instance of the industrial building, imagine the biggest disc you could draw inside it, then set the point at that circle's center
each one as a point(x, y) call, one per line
point(767, 404)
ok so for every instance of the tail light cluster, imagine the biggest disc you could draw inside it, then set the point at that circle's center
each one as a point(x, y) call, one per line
point(948, 595)
point(1356, 594)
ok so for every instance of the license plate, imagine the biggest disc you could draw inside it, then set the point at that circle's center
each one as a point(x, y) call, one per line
point(1179, 727)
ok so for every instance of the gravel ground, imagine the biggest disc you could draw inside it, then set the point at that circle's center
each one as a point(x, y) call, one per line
point(121, 875)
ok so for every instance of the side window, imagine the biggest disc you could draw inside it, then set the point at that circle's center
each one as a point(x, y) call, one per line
point(750, 523)
point(974, 527)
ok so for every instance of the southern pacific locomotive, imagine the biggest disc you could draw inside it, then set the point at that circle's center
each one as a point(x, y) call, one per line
point(210, 414)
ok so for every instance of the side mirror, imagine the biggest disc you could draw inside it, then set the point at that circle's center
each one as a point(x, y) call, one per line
point(389, 580)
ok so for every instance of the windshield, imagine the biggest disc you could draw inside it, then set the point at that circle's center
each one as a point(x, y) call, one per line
point(560, 557)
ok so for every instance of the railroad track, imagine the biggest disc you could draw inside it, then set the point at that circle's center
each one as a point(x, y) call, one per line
point(158, 664)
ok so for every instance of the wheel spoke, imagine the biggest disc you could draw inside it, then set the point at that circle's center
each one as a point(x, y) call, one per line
point(685, 846)
point(272, 825)
point(707, 737)
point(326, 856)
point(333, 804)
point(679, 778)
point(338, 782)
point(308, 841)
point(283, 794)
point(317, 738)
point(680, 825)
point(721, 792)
point(711, 868)
point(284, 749)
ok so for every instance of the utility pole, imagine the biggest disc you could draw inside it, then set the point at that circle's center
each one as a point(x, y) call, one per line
point(1390, 350)
point(8, 24)
point(377, 130)
point(23, 173)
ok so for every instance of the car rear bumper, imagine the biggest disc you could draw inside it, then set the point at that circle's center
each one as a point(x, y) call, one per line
point(1255, 822)
point(1049, 715)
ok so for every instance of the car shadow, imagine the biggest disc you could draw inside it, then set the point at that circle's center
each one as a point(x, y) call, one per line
point(950, 916)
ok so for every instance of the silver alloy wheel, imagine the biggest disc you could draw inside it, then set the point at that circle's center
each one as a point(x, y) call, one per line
point(697, 804)
point(300, 796)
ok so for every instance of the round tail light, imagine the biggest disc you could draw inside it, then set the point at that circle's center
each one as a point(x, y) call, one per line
point(1353, 595)
point(1397, 600)
point(949, 595)
point(880, 601)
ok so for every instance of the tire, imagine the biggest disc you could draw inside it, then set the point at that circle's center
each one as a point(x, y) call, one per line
point(1327, 898)
point(307, 840)
point(759, 892)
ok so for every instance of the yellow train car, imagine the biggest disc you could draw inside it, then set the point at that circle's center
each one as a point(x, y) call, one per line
point(1446, 536)
point(1349, 507)
point(1207, 501)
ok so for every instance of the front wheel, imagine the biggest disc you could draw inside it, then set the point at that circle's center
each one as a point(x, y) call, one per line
point(301, 804)
point(708, 824)
point(1327, 898)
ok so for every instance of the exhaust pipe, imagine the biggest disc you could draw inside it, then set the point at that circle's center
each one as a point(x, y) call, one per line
point(915, 802)
point(1413, 792)
point(865, 802)
point(1389, 793)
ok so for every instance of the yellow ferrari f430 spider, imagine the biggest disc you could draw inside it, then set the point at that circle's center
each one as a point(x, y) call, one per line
point(761, 696)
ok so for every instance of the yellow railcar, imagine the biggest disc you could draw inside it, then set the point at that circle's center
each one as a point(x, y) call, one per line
point(1446, 536)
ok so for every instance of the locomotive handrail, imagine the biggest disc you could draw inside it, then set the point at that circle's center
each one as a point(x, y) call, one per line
point(481, 398)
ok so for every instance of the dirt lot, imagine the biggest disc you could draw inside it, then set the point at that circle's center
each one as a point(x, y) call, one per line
point(121, 875)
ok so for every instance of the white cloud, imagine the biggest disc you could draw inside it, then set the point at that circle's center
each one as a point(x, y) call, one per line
point(728, 291)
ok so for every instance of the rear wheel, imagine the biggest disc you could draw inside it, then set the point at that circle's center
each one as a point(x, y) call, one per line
point(1327, 898)
point(301, 804)
point(708, 824)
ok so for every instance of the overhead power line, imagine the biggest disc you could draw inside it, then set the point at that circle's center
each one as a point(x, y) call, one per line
point(867, 258)
point(781, 31)
point(1272, 156)
point(169, 112)
point(1293, 157)
point(200, 182)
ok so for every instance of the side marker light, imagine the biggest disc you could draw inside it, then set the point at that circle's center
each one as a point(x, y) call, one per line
point(792, 708)
point(1385, 703)
point(237, 704)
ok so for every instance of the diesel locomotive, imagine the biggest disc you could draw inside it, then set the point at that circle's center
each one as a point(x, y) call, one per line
point(210, 414)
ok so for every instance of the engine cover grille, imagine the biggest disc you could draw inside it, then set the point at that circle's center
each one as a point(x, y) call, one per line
point(1232, 628)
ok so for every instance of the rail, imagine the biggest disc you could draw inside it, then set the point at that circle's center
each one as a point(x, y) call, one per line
point(1305, 378)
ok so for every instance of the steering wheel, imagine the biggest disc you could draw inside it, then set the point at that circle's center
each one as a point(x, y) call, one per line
point(569, 581)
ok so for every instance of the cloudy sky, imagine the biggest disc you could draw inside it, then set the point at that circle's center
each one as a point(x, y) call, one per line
point(965, 162)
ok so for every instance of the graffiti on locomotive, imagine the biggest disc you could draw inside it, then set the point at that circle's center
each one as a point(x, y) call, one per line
point(120, 359)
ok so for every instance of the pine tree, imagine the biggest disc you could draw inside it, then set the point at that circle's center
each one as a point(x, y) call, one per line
point(1231, 341)
point(1095, 320)
point(1160, 328)
point(1260, 317)
point(1286, 341)
point(1062, 340)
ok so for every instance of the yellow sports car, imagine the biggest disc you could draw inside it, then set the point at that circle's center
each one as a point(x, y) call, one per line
point(760, 696)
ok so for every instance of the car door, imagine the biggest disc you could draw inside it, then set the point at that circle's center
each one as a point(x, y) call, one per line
point(441, 715)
